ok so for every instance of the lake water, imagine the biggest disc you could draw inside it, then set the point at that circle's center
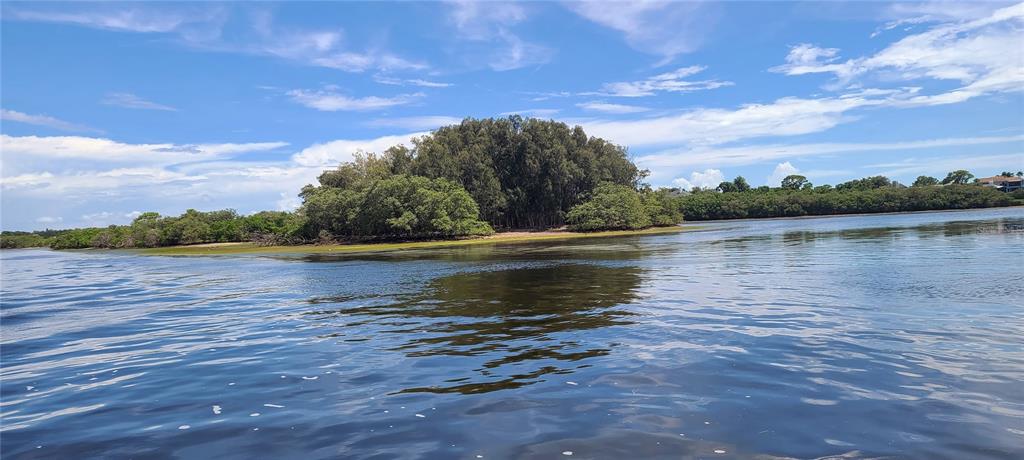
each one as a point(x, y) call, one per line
point(855, 337)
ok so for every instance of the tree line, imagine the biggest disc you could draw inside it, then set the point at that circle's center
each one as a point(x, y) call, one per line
point(508, 173)
point(796, 196)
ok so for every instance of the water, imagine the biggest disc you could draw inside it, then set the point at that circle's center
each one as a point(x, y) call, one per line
point(857, 337)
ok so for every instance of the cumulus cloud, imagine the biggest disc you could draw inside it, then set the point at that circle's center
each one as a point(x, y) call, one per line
point(106, 150)
point(332, 153)
point(71, 176)
point(780, 172)
point(709, 178)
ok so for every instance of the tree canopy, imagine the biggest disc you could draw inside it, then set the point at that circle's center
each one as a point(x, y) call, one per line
point(521, 173)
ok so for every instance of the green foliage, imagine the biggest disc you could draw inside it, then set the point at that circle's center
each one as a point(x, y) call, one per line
point(726, 187)
point(15, 240)
point(741, 184)
point(522, 173)
point(867, 183)
point(395, 207)
point(794, 182)
point(152, 230)
point(612, 207)
point(620, 207)
point(960, 176)
point(925, 181)
point(662, 206)
point(762, 203)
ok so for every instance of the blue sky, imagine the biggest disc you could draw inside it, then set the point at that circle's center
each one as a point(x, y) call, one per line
point(110, 109)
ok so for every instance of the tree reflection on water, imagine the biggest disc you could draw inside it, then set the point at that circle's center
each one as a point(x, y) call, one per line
point(510, 327)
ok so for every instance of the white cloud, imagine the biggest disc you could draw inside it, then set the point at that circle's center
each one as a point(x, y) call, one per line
point(942, 165)
point(780, 172)
point(49, 220)
point(536, 113)
point(15, 148)
point(983, 55)
point(105, 218)
point(671, 82)
point(415, 123)
point(127, 19)
point(43, 120)
point(131, 101)
point(785, 117)
point(201, 26)
point(806, 58)
point(329, 100)
point(598, 106)
point(386, 80)
point(330, 154)
point(661, 28)
point(65, 179)
point(709, 178)
point(491, 23)
point(744, 155)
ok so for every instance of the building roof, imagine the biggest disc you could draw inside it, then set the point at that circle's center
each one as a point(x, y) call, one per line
point(995, 179)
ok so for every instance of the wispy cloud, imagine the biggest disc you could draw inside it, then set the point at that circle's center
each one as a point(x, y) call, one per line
point(44, 120)
point(760, 153)
point(131, 101)
point(203, 27)
point(536, 113)
point(415, 123)
point(386, 80)
point(491, 23)
point(126, 18)
point(982, 54)
point(670, 82)
point(329, 100)
point(605, 107)
point(661, 28)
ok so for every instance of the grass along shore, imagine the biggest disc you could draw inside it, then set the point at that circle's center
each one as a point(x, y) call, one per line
point(497, 238)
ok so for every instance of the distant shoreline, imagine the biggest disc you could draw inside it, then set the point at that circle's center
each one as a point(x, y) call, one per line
point(242, 248)
point(854, 214)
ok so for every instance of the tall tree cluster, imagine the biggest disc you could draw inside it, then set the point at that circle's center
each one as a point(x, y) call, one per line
point(522, 173)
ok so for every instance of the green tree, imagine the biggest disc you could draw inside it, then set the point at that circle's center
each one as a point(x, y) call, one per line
point(793, 182)
point(726, 187)
point(612, 207)
point(741, 184)
point(960, 176)
point(925, 181)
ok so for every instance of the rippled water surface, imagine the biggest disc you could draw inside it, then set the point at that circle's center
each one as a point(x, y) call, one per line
point(879, 336)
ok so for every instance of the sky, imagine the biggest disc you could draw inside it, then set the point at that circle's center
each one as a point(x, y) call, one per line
point(112, 109)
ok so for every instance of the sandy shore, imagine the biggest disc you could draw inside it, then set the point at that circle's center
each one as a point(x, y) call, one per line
point(497, 238)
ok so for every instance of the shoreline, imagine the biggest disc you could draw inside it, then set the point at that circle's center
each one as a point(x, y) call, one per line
point(852, 214)
point(243, 248)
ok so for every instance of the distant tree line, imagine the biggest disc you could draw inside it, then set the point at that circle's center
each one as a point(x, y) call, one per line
point(796, 196)
point(509, 173)
point(150, 230)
